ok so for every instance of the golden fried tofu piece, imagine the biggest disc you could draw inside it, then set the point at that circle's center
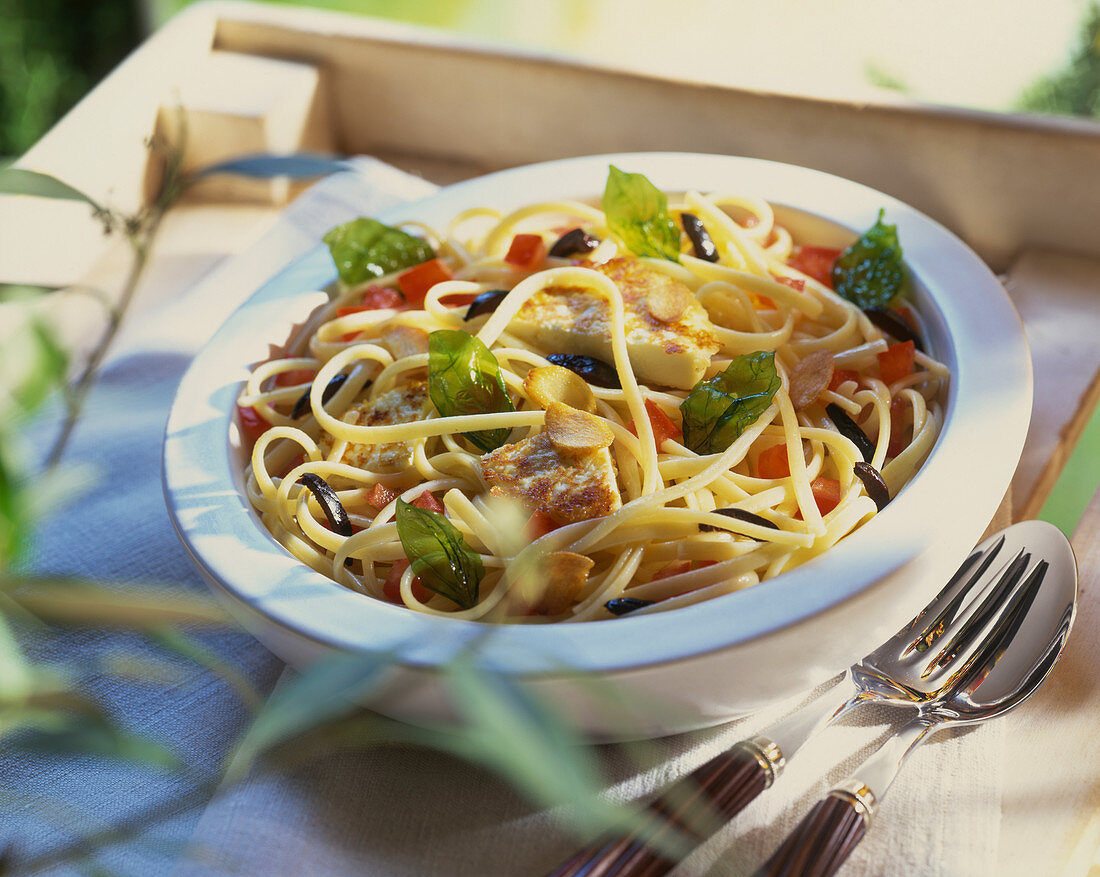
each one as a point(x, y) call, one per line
point(569, 486)
point(400, 405)
point(669, 337)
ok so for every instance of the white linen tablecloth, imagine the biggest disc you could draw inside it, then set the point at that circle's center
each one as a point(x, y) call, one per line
point(391, 810)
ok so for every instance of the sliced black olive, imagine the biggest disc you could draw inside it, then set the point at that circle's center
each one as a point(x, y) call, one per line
point(623, 605)
point(485, 303)
point(850, 430)
point(892, 323)
point(738, 515)
point(699, 236)
point(330, 503)
point(593, 370)
point(302, 405)
point(574, 242)
point(876, 487)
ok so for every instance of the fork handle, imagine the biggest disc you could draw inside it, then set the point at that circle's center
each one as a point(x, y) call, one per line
point(683, 816)
point(825, 837)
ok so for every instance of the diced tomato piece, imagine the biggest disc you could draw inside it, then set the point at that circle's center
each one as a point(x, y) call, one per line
point(380, 496)
point(294, 377)
point(773, 463)
point(842, 375)
point(252, 424)
point(703, 564)
point(896, 362)
point(795, 283)
point(664, 427)
point(539, 524)
point(428, 502)
point(899, 439)
point(815, 262)
point(376, 297)
point(418, 280)
point(826, 494)
point(762, 302)
point(527, 252)
point(391, 588)
point(673, 569)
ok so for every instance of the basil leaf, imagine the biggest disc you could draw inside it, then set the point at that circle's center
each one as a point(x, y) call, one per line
point(637, 211)
point(439, 555)
point(464, 378)
point(365, 248)
point(870, 272)
point(718, 410)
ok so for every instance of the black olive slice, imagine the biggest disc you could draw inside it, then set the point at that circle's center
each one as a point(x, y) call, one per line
point(330, 503)
point(593, 370)
point(302, 405)
point(623, 605)
point(699, 236)
point(850, 430)
point(892, 323)
point(485, 303)
point(876, 487)
point(574, 242)
point(739, 515)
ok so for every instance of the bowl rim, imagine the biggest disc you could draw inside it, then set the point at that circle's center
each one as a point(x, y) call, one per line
point(988, 407)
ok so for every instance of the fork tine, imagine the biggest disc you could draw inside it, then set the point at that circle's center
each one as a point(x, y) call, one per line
point(971, 634)
point(933, 631)
point(986, 657)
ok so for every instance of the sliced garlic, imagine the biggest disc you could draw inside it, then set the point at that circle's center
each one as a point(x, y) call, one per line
point(810, 377)
point(571, 429)
point(562, 578)
point(669, 303)
point(553, 383)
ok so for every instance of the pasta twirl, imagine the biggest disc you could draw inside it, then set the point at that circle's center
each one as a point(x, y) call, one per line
point(568, 413)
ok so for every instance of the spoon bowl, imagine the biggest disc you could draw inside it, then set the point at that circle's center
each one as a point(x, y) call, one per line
point(1019, 648)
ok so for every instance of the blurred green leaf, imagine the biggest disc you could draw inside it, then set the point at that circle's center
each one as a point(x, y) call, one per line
point(90, 733)
point(47, 370)
point(14, 520)
point(188, 647)
point(329, 688)
point(20, 181)
point(80, 602)
point(527, 741)
point(15, 673)
point(22, 292)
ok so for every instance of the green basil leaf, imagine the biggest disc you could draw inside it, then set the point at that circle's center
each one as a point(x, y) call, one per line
point(718, 410)
point(464, 378)
point(365, 248)
point(439, 555)
point(637, 211)
point(870, 272)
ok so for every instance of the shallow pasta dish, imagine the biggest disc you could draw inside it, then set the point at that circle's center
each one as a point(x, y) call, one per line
point(575, 412)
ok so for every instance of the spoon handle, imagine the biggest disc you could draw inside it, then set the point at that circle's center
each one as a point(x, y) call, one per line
point(823, 839)
point(827, 834)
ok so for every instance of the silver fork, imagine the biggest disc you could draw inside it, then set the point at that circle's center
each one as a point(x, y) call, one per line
point(917, 664)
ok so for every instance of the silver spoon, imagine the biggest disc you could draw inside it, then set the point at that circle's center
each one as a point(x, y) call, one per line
point(1022, 648)
point(906, 669)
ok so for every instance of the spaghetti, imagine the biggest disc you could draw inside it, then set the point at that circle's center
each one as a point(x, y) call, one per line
point(682, 448)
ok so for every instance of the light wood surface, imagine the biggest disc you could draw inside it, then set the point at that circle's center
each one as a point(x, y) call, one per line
point(304, 77)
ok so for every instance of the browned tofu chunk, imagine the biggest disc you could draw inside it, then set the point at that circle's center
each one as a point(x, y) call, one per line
point(568, 486)
point(670, 339)
point(399, 405)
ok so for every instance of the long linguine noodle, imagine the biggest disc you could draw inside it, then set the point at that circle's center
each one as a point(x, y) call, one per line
point(664, 542)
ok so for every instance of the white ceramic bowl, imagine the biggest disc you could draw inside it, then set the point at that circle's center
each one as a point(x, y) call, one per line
point(660, 673)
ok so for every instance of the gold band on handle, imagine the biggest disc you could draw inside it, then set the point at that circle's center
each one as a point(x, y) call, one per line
point(861, 797)
point(767, 754)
